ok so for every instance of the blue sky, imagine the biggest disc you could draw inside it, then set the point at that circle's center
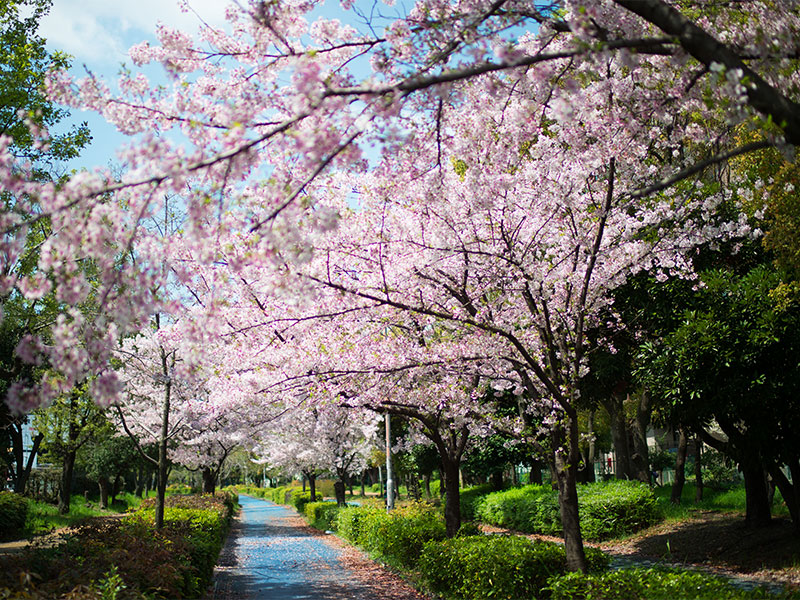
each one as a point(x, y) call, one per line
point(98, 33)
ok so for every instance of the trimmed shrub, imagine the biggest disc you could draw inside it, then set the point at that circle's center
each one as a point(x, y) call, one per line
point(532, 509)
point(396, 537)
point(650, 584)
point(494, 566)
point(349, 522)
point(469, 500)
point(297, 498)
point(175, 562)
point(616, 508)
point(607, 509)
point(322, 515)
point(13, 513)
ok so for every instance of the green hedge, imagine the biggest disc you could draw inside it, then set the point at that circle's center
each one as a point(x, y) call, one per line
point(13, 513)
point(532, 509)
point(493, 566)
point(469, 499)
point(322, 515)
point(397, 536)
point(174, 562)
point(651, 584)
point(608, 509)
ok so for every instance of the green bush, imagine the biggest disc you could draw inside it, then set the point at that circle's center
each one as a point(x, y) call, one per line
point(493, 566)
point(532, 509)
point(470, 497)
point(299, 499)
point(174, 562)
point(649, 584)
point(616, 508)
point(397, 536)
point(607, 509)
point(13, 513)
point(322, 515)
point(349, 522)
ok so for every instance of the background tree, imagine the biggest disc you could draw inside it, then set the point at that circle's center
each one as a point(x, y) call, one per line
point(68, 425)
point(108, 457)
point(24, 64)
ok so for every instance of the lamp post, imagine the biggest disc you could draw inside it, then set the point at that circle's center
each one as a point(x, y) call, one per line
point(389, 473)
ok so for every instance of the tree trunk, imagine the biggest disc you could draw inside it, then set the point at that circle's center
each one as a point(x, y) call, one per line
point(363, 484)
point(497, 481)
point(426, 485)
point(758, 511)
point(452, 494)
point(161, 491)
point(794, 470)
point(565, 466)
point(591, 454)
point(21, 469)
point(698, 469)
point(105, 485)
point(619, 437)
point(338, 489)
point(789, 493)
point(535, 475)
point(65, 490)
point(640, 461)
point(680, 466)
point(115, 488)
point(209, 480)
point(312, 485)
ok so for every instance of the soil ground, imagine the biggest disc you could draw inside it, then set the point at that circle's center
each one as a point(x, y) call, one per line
point(721, 543)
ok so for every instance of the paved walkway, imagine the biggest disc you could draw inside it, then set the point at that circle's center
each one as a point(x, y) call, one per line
point(270, 554)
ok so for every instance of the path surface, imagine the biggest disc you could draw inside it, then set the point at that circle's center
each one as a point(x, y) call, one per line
point(272, 554)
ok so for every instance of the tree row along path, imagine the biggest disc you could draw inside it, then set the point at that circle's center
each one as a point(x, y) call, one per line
point(272, 554)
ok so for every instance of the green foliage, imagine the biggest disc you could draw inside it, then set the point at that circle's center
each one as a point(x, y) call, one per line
point(321, 515)
point(649, 584)
point(616, 508)
point(299, 499)
point(128, 558)
point(13, 514)
point(532, 509)
point(44, 516)
point(484, 566)
point(397, 536)
point(25, 62)
point(607, 510)
point(349, 521)
point(719, 471)
point(469, 498)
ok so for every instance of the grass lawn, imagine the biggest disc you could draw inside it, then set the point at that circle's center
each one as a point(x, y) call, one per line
point(44, 517)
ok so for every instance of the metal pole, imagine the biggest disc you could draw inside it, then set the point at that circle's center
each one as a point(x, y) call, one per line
point(389, 473)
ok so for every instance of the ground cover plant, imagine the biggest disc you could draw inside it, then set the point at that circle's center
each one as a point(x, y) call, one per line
point(607, 509)
point(44, 517)
point(321, 515)
point(129, 553)
point(652, 584)
point(496, 566)
point(13, 514)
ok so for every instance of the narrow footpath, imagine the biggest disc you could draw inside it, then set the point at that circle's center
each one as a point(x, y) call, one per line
point(272, 554)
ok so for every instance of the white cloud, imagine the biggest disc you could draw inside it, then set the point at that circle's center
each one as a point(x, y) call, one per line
point(99, 33)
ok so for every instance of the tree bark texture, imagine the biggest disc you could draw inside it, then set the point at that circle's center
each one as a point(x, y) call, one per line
point(566, 469)
point(680, 466)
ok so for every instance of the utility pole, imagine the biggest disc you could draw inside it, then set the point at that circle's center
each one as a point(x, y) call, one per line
point(389, 473)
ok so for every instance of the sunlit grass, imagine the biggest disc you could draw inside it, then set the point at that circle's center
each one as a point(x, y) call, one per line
point(44, 517)
point(724, 501)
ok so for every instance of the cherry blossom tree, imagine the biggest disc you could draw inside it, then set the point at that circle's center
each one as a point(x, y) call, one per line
point(534, 156)
point(316, 440)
